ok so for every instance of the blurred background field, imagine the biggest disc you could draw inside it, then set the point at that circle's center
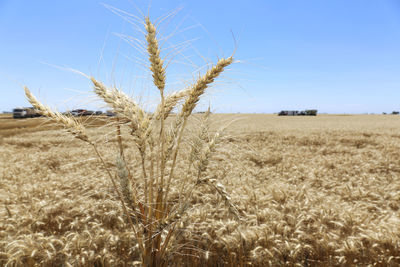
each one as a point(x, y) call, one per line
point(249, 123)
point(319, 191)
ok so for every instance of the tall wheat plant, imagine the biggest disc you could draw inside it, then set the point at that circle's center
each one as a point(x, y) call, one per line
point(145, 194)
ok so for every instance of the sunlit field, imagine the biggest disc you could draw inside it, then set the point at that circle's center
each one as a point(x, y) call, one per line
point(310, 191)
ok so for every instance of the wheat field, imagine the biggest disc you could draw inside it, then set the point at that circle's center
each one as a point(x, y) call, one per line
point(310, 191)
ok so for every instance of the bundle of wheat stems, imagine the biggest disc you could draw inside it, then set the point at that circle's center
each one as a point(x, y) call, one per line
point(150, 208)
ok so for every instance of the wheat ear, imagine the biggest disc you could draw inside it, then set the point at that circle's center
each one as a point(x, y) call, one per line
point(224, 195)
point(156, 63)
point(170, 103)
point(76, 128)
point(120, 102)
point(203, 161)
point(125, 182)
point(202, 83)
point(196, 148)
point(127, 107)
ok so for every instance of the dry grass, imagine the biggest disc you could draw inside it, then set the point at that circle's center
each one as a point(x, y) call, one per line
point(319, 192)
point(5, 116)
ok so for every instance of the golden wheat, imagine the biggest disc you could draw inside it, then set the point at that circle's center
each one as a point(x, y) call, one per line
point(317, 192)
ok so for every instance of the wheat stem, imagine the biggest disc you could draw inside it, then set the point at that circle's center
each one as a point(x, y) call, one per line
point(196, 149)
point(120, 196)
point(158, 71)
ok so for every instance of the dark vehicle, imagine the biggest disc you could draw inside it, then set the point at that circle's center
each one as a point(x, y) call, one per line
point(110, 113)
point(311, 112)
point(88, 113)
point(307, 112)
point(21, 113)
point(288, 113)
point(77, 112)
point(81, 112)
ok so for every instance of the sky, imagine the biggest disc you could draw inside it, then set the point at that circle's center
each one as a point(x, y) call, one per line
point(337, 56)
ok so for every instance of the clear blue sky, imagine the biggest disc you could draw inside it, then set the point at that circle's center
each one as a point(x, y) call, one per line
point(337, 56)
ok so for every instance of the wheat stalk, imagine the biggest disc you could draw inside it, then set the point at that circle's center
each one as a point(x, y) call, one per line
point(193, 97)
point(148, 194)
